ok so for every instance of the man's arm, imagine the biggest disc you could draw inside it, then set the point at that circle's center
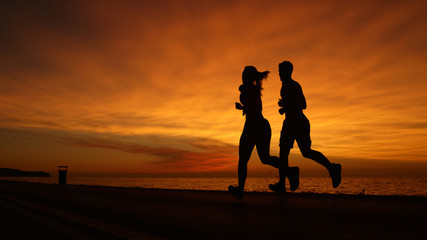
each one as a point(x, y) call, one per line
point(301, 100)
point(282, 101)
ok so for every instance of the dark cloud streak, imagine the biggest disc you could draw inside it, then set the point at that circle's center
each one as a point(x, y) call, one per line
point(172, 154)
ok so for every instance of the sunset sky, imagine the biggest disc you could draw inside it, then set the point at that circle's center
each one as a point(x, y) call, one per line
point(150, 86)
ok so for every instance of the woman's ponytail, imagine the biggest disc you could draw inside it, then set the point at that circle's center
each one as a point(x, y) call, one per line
point(261, 77)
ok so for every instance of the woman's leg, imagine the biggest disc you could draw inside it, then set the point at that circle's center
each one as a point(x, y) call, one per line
point(263, 146)
point(246, 146)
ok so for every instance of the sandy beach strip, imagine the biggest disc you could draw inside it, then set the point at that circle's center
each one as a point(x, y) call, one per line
point(32, 210)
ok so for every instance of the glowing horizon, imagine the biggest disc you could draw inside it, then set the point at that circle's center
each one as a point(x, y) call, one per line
point(150, 86)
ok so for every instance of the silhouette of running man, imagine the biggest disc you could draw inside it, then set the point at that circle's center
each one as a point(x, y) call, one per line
point(297, 127)
point(257, 130)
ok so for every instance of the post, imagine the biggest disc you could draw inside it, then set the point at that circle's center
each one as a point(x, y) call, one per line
point(62, 175)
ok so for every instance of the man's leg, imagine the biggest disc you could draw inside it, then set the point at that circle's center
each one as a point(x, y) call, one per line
point(304, 143)
point(333, 169)
point(287, 139)
point(316, 156)
point(280, 187)
point(292, 173)
point(286, 143)
point(284, 163)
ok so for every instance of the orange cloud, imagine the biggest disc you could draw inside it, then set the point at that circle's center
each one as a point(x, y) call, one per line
point(172, 69)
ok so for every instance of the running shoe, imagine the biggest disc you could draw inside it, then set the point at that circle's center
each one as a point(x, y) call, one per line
point(278, 187)
point(293, 176)
point(235, 191)
point(335, 173)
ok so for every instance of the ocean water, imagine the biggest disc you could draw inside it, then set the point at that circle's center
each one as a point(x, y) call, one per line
point(349, 185)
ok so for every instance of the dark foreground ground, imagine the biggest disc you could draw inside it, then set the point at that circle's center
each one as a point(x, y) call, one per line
point(45, 211)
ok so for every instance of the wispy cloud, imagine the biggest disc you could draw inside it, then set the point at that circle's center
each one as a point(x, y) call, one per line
point(172, 69)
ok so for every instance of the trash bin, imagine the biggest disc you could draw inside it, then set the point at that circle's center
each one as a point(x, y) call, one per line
point(62, 174)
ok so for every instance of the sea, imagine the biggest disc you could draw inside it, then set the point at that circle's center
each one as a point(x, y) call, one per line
point(349, 185)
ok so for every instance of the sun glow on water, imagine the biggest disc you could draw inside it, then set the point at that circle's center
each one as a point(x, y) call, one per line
point(351, 185)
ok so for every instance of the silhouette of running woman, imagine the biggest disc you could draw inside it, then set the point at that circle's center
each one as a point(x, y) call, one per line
point(297, 127)
point(257, 130)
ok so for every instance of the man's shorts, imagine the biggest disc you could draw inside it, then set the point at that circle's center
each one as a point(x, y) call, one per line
point(295, 128)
